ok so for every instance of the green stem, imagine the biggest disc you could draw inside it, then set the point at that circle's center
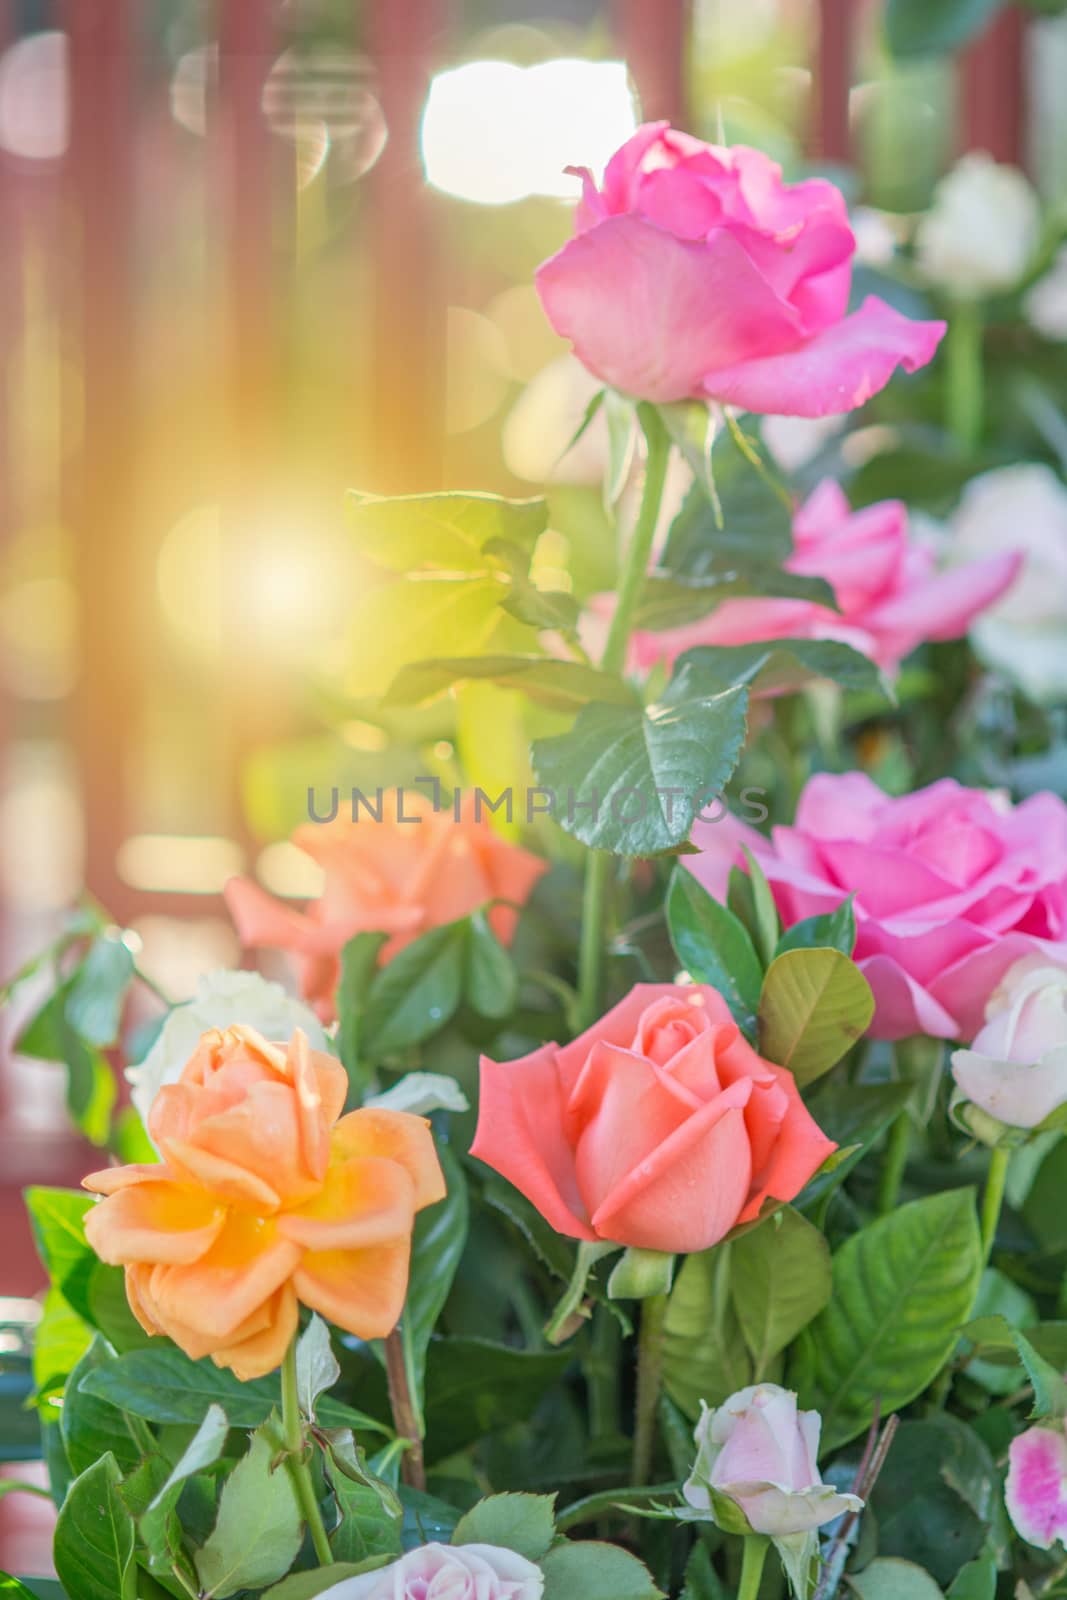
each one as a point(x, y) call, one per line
point(620, 1500)
point(756, 1547)
point(649, 1376)
point(631, 577)
point(964, 399)
point(896, 1159)
point(299, 1471)
point(993, 1199)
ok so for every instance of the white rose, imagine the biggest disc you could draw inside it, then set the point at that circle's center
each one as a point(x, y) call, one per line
point(222, 999)
point(1046, 303)
point(982, 230)
point(1016, 1069)
point(1024, 508)
point(453, 1572)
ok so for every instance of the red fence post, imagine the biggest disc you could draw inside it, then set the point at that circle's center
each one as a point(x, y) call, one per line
point(654, 43)
point(829, 133)
point(992, 73)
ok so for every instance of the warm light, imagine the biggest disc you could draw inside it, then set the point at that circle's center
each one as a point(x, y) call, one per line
point(494, 132)
point(177, 863)
point(35, 97)
point(42, 862)
point(285, 870)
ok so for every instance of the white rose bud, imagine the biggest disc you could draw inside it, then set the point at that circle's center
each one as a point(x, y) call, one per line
point(982, 231)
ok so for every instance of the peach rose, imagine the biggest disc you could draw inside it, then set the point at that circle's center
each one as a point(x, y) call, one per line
point(659, 1127)
point(263, 1199)
point(400, 877)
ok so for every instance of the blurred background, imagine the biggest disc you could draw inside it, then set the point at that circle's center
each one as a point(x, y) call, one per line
point(253, 254)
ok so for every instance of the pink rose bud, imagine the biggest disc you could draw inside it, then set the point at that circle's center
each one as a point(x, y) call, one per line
point(1036, 1491)
point(1016, 1070)
point(459, 1572)
point(758, 1451)
point(695, 272)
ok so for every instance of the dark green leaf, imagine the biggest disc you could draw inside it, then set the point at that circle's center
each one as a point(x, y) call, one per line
point(756, 521)
point(417, 992)
point(359, 960)
point(491, 983)
point(93, 1549)
point(713, 945)
point(922, 28)
point(632, 780)
point(672, 601)
point(814, 1006)
point(92, 1425)
point(521, 1522)
point(474, 1386)
point(855, 1116)
point(370, 1517)
point(596, 1572)
point(935, 1495)
point(561, 685)
point(766, 926)
point(98, 991)
point(1050, 1389)
point(779, 664)
point(835, 930)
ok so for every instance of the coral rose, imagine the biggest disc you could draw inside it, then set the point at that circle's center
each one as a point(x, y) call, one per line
point(890, 595)
point(263, 1199)
point(697, 273)
point(658, 1127)
point(412, 871)
point(952, 886)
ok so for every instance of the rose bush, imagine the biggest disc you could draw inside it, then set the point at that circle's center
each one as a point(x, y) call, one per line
point(696, 272)
point(264, 1198)
point(658, 1127)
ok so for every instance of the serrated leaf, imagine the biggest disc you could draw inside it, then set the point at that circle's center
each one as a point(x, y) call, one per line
point(632, 780)
point(902, 1286)
point(745, 516)
point(444, 531)
point(713, 945)
point(1050, 1389)
point(669, 600)
point(854, 1116)
point(780, 1280)
point(93, 1548)
point(814, 1005)
point(890, 1579)
point(524, 1523)
point(596, 1572)
point(560, 685)
point(704, 1353)
point(92, 1425)
point(258, 1531)
point(786, 664)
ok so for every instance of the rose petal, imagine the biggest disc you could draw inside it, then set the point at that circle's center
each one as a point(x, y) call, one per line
point(362, 1291)
point(365, 1201)
point(1036, 1490)
point(394, 1136)
point(259, 1353)
point(247, 1264)
point(153, 1222)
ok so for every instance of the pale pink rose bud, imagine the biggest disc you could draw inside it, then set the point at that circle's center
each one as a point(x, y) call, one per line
point(759, 1452)
point(1016, 1069)
point(459, 1572)
point(1036, 1491)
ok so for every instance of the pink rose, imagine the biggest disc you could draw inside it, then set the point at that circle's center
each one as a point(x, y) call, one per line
point(1016, 1070)
point(658, 1127)
point(890, 594)
point(760, 1452)
point(1036, 1491)
point(952, 886)
point(454, 1572)
point(696, 272)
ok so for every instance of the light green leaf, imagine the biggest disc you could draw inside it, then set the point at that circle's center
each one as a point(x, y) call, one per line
point(419, 1093)
point(560, 685)
point(12, 1589)
point(411, 618)
point(902, 1286)
point(621, 420)
point(258, 1531)
point(780, 1279)
point(640, 1273)
point(764, 909)
point(890, 1579)
point(60, 1340)
point(524, 1523)
point(704, 1354)
point(93, 1549)
point(370, 1513)
point(596, 1572)
point(632, 780)
point(444, 531)
point(57, 1219)
point(813, 1007)
point(976, 1581)
point(713, 945)
point(317, 1367)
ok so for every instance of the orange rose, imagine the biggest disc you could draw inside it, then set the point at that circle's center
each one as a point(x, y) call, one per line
point(263, 1199)
point(396, 877)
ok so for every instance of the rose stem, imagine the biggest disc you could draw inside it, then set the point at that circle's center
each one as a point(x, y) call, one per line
point(756, 1546)
point(896, 1159)
point(649, 1373)
point(632, 573)
point(405, 1420)
point(964, 400)
point(293, 1429)
point(993, 1199)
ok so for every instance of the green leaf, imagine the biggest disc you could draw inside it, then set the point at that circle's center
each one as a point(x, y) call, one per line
point(976, 1581)
point(701, 1579)
point(835, 930)
point(786, 664)
point(417, 993)
point(596, 1572)
point(764, 910)
point(632, 780)
point(411, 618)
point(754, 522)
point(813, 1007)
point(370, 1520)
point(491, 983)
point(890, 1579)
point(669, 600)
point(258, 1531)
point(159, 1525)
point(902, 1286)
point(560, 685)
point(444, 531)
point(93, 1549)
point(640, 1273)
point(161, 1384)
point(359, 961)
point(306, 1585)
point(317, 1368)
point(1050, 1389)
point(96, 996)
point(917, 28)
point(780, 1279)
point(713, 945)
point(704, 1354)
point(419, 1093)
point(92, 1425)
point(12, 1589)
point(521, 1522)
point(854, 1116)
point(60, 1340)
point(57, 1220)
point(474, 1386)
point(936, 1495)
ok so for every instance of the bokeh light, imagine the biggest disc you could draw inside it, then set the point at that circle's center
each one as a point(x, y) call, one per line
point(34, 97)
